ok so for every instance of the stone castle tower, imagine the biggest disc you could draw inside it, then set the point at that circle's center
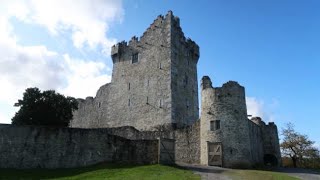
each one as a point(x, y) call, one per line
point(227, 137)
point(154, 82)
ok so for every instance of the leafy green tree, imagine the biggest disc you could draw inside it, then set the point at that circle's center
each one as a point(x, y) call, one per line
point(297, 146)
point(46, 108)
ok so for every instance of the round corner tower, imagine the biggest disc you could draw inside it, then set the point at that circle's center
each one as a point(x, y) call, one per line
point(224, 125)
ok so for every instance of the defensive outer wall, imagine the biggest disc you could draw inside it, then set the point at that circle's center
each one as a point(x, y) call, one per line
point(46, 147)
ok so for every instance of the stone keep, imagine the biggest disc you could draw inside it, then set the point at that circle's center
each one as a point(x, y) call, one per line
point(154, 82)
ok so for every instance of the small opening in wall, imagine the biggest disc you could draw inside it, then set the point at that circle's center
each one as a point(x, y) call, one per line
point(99, 104)
point(230, 151)
point(160, 66)
point(147, 100)
point(129, 102)
point(214, 125)
point(135, 58)
point(160, 103)
point(129, 86)
point(186, 79)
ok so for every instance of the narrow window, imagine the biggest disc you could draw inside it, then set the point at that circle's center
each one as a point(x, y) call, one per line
point(135, 58)
point(214, 125)
point(99, 104)
point(160, 103)
point(148, 82)
point(160, 66)
point(186, 80)
point(147, 100)
point(129, 86)
point(187, 103)
point(129, 102)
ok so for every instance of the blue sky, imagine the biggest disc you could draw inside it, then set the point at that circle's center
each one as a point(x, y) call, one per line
point(270, 47)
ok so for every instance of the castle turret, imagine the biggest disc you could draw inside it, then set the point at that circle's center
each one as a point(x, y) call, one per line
point(224, 125)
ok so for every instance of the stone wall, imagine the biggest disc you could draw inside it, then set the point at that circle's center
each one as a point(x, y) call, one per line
point(46, 147)
point(184, 79)
point(256, 143)
point(188, 144)
point(187, 139)
point(271, 141)
point(160, 88)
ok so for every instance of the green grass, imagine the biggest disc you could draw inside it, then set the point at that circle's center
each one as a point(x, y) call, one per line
point(258, 175)
point(102, 171)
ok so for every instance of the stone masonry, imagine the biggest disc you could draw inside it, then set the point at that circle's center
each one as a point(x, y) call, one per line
point(244, 142)
point(154, 82)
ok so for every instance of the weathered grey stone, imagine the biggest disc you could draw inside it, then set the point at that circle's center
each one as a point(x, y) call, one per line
point(46, 147)
point(160, 88)
point(245, 142)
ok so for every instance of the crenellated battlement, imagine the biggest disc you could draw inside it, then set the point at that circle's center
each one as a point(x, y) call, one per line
point(169, 27)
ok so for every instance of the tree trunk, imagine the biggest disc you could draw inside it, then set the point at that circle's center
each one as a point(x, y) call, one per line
point(294, 161)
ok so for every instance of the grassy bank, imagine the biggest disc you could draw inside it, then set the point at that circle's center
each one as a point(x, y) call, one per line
point(103, 172)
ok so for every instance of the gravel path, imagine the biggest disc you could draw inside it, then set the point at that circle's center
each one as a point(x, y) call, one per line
point(207, 172)
point(304, 174)
point(217, 173)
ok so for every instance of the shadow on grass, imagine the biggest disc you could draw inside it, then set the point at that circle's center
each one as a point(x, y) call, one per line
point(57, 173)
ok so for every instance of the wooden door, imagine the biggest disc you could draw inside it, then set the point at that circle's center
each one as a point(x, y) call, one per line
point(166, 151)
point(214, 154)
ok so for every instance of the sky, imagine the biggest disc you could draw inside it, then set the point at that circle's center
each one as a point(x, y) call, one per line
point(270, 47)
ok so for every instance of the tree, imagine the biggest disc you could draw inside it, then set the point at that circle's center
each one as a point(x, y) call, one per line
point(297, 146)
point(44, 108)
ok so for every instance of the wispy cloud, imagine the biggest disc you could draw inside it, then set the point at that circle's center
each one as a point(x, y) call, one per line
point(28, 66)
point(88, 20)
point(257, 107)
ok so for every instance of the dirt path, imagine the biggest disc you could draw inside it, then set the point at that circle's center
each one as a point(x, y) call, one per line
point(212, 172)
point(208, 172)
point(304, 174)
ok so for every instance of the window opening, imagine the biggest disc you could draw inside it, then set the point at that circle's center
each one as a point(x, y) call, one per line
point(214, 125)
point(135, 58)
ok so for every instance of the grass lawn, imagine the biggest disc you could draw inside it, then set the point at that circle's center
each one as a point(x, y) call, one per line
point(102, 171)
point(258, 175)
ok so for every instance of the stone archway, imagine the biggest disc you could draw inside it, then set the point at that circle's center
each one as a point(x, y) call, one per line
point(270, 160)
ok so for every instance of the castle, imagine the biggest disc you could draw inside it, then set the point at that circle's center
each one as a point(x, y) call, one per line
point(154, 84)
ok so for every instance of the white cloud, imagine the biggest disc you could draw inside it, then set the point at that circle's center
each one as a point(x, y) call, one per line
point(257, 107)
point(37, 66)
point(88, 20)
point(84, 78)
